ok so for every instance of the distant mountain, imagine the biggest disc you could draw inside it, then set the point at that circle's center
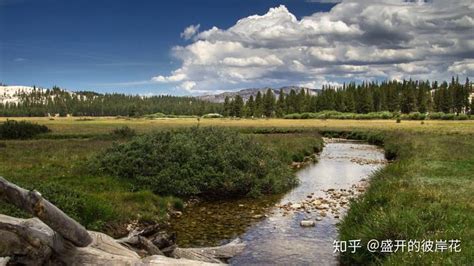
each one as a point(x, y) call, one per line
point(12, 94)
point(246, 93)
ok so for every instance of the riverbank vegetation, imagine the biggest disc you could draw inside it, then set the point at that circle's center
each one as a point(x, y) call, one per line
point(425, 194)
point(204, 162)
point(58, 167)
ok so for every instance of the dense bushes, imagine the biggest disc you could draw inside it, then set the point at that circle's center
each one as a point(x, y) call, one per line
point(161, 115)
point(341, 115)
point(207, 162)
point(123, 132)
point(378, 115)
point(12, 129)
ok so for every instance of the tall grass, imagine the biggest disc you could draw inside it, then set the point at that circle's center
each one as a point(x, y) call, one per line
point(425, 194)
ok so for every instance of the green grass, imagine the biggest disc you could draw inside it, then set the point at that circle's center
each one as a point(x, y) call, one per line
point(57, 168)
point(292, 147)
point(426, 194)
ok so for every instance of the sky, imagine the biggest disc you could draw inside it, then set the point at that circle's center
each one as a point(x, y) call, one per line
point(191, 47)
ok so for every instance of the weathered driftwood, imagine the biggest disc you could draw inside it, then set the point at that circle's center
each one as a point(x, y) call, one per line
point(211, 254)
point(32, 242)
point(142, 242)
point(54, 238)
point(4, 261)
point(35, 204)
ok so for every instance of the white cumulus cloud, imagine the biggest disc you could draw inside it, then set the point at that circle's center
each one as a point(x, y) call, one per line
point(190, 31)
point(364, 39)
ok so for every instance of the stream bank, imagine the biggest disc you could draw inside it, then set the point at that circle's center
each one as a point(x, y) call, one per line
point(271, 226)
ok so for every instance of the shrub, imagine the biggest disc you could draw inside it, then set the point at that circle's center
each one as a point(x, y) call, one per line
point(88, 211)
point(416, 116)
point(462, 117)
point(155, 115)
point(123, 132)
point(436, 115)
point(207, 162)
point(448, 116)
point(292, 116)
point(12, 129)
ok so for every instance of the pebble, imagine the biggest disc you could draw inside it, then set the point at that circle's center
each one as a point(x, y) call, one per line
point(295, 206)
point(307, 223)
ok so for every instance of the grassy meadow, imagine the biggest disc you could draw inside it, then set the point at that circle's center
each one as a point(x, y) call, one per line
point(90, 126)
point(426, 193)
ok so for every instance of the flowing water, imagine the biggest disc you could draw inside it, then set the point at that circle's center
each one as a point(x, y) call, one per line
point(271, 226)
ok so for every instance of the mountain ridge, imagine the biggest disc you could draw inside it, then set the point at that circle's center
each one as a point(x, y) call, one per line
point(246, 93)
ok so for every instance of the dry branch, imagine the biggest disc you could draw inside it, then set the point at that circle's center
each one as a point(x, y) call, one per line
point(36, 205)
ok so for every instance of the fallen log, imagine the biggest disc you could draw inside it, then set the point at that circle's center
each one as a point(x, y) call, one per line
point(211, 254)
point(141, 242)
point(54, 238)
point(31, 242)
point(36, 205)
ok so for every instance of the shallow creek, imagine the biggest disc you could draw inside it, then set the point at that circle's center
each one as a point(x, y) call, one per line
point(271, 226)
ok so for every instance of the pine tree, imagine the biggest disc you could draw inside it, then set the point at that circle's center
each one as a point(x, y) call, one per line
point(238, 106)
point(280, 105)
point(408, 99)
point(258, 105)
point(292, 102)
point(250, 107)
point(445, 98)
point(227, 106)
point(268, 103)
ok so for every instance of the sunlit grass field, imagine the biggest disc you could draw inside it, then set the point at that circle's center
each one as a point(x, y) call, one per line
point(103, 125)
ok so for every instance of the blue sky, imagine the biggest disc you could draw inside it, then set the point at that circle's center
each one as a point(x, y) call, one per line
point(98, 45)
point(200, 47)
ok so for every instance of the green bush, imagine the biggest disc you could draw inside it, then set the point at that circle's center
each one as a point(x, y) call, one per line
point(436, 116)
point(87, 210)
point(124, 132)
point(448, 116)
point(417, 116)
point(12, 129)
point(206, 162)
point(462, 117)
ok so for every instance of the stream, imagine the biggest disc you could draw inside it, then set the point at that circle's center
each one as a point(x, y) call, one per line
point(271, 226)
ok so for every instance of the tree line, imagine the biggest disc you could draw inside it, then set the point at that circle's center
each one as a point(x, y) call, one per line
point(405, 97)
point(84, 103)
